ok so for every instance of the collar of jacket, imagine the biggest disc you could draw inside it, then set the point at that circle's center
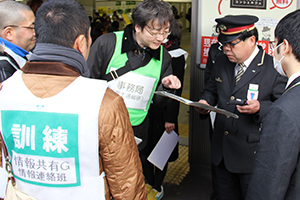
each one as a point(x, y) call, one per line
point(129, 43)
point(49, 68)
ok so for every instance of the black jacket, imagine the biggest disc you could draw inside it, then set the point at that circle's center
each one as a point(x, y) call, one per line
point(235, 140)
point(101, 53)
point(103, 48)
point(276, 166)
point(7, 66)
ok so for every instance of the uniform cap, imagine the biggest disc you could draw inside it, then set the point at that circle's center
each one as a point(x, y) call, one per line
point(232, 27)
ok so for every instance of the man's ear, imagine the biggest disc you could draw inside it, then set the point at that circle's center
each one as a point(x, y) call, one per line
point(137, 28)
point(7, 33)
point(80, 43)
point(252, 39)
point(287, 48)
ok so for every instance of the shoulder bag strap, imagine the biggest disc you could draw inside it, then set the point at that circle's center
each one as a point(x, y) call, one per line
point(8, 166)
point(133, 63)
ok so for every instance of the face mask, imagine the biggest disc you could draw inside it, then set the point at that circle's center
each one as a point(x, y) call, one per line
point(277, 64)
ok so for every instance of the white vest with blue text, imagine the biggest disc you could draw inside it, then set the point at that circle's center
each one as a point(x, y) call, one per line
point(53, 142)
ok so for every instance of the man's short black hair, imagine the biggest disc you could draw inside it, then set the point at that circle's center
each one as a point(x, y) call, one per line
point(151, 10)
point(288, 28)
point(61, 22)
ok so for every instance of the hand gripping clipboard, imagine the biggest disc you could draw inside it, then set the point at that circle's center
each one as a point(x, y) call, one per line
point(197, 104)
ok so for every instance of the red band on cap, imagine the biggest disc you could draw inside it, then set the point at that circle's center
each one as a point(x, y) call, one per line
point(235, 30)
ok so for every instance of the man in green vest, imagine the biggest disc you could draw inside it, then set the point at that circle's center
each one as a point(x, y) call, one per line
point(135, 63)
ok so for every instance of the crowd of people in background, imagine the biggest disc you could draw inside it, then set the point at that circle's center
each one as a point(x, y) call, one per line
point(48, 61)
point(105, 24)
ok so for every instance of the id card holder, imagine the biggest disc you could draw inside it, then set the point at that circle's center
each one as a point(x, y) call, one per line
point(253, 91)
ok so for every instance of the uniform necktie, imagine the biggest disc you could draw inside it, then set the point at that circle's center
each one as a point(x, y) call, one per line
point(240, 72)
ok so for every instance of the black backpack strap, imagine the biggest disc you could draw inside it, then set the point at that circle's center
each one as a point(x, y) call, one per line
point(134, 62)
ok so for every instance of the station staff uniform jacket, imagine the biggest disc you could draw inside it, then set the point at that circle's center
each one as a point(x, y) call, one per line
point(276, 166)
point(118, 153)
point(235, 140)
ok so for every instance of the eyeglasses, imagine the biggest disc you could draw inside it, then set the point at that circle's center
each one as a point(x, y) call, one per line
point(231, 45)
point(19, 26)
point(156, 35)
point(273, 45)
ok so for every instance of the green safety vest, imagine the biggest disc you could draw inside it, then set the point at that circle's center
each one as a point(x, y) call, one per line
point(152, 69)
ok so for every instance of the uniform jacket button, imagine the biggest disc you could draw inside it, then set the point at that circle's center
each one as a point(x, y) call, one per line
point(226, 133)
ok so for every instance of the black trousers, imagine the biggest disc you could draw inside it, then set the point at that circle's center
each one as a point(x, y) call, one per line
point(231, 186)
point(153, 175)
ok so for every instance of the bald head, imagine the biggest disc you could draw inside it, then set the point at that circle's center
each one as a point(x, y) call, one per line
point(17, 24)
point(12, 12)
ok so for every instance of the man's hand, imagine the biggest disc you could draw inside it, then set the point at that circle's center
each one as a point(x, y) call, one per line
point(201, 110)
point(169, 127)
point(252, 107)
point(171, 82)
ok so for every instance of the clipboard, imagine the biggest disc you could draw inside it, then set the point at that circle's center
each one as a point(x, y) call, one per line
point(197, 104)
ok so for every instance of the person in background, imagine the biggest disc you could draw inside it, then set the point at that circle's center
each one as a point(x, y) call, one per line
point(97, 27)
point(81, 144)
point(115, 16)
point(165, 118)
point(95, 18)
point(244, 72)
point(177, 17)
point(188, 16)
point(136, 64)
point(103, 17)
point(276, 167)
point(17, 36)
point(114, 27)
point(34, 5)
point(106, 24)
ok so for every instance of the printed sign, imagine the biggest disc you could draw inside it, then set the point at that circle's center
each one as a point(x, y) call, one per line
point(206, 43)
point(281, 4)
point(255, 4)
point(44, 147)
point(134, 88)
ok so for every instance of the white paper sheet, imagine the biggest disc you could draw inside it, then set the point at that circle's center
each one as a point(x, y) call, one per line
point(163, 149)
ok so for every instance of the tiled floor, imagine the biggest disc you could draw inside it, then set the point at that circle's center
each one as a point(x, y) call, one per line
point(179, 169)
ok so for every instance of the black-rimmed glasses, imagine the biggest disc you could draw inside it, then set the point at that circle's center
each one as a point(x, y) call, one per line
point(19, 26)
point(230, 44)
point(164, 34)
